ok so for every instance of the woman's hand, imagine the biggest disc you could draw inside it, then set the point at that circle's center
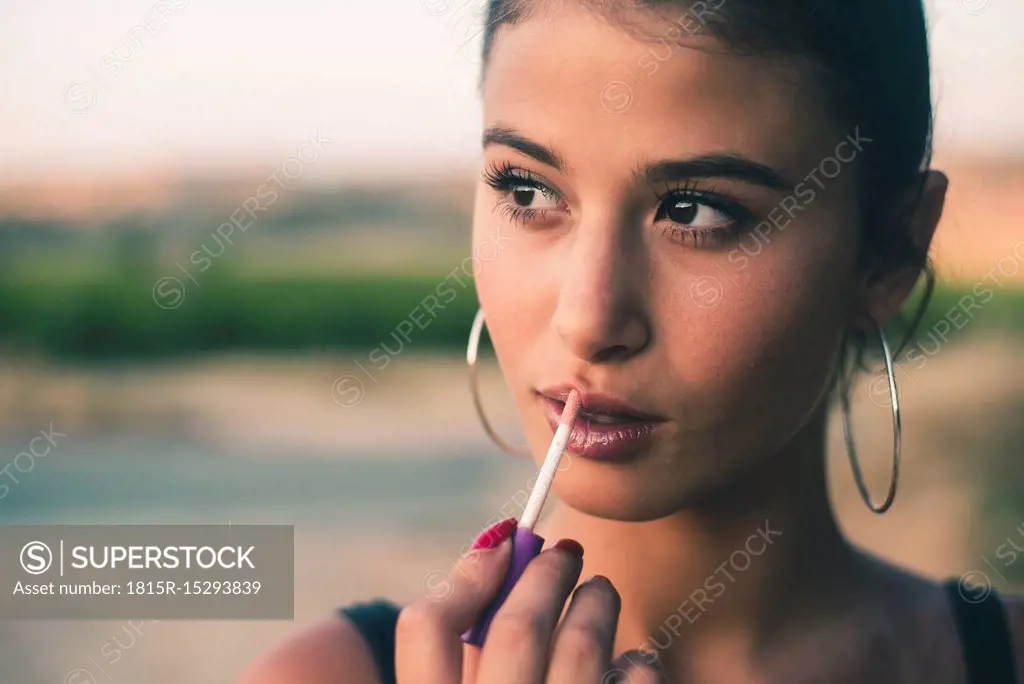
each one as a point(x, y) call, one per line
point(526, 643)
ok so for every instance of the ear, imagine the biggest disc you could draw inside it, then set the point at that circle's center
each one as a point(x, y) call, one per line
point(885, 291)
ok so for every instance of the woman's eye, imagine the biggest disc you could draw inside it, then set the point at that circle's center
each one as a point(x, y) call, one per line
point(521, 196)
point(692, 213)
point(700, 218)
point(533, 197)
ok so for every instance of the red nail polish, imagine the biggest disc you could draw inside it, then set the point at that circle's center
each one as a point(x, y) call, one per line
point(570, 545)
point(495, 534)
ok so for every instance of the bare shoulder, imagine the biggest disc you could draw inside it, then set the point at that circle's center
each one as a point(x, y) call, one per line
point(328, 652)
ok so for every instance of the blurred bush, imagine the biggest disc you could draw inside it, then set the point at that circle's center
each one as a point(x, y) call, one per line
point(114, 313)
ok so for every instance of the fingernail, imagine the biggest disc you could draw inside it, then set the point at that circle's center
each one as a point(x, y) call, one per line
point(570, 545)
point(494, 535)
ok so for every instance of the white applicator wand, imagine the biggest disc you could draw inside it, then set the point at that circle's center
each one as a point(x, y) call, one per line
point(525, 544)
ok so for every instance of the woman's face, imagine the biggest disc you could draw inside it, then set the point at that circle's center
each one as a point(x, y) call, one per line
point(654, 237)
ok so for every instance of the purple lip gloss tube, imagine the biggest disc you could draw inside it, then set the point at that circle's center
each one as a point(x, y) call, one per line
point(525, 544)
point(525, 547)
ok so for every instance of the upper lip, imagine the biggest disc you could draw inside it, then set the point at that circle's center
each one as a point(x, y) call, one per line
point(595, 402)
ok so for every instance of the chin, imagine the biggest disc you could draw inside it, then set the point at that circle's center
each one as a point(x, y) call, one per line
point(652, 487)
point(627, 492)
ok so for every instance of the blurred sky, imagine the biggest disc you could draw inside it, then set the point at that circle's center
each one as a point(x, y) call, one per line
point(227, 83)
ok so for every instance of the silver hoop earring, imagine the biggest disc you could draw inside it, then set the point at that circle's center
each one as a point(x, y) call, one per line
point(471, 354)
point(858, 475)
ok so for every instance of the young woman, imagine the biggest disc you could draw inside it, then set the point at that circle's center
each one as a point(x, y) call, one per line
point(704, 213)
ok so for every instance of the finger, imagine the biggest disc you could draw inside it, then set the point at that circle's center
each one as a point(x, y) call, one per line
point(582, 648)
point(516, 650)
point(428, 636)
point(635, 667)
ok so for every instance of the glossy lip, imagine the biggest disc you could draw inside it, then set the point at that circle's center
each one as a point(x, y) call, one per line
point(595, 402)
point(602, 441)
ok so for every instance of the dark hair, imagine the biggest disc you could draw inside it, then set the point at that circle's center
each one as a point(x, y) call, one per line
point(869, 63)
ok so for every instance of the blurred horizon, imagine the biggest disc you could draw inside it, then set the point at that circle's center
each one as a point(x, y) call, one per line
point(182, 88)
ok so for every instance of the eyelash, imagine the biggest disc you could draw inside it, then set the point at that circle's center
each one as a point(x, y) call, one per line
point(689, 191)
point(504, 178)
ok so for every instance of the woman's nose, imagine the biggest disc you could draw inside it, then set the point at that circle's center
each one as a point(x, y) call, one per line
point(601, 315)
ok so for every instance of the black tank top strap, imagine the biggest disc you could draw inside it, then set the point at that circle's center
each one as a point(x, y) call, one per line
point(376, 621)
point(984, 633)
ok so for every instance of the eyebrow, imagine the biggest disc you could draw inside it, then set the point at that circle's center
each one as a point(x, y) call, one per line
point(723, 165)
point(718, 165)
point(511, 138)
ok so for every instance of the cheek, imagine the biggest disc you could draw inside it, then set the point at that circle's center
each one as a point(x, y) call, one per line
point(769, 329)
point(507, 288)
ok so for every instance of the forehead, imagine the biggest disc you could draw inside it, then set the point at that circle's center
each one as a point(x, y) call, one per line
point(600, 94)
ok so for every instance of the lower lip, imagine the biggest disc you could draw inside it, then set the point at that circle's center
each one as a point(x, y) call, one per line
point(603, 441)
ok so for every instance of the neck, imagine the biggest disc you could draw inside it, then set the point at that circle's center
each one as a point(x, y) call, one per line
point(741, 568)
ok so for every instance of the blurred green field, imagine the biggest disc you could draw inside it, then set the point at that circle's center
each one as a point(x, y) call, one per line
point(117, 315)
point(139, 313)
